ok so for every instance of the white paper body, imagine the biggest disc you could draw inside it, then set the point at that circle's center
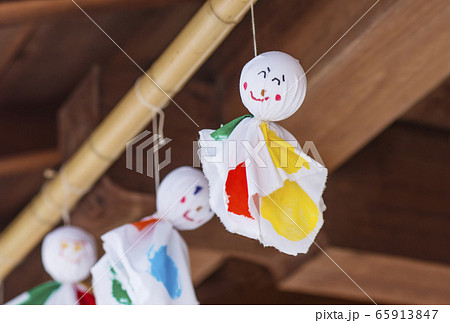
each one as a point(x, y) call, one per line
point(281, 205)
point(144, 265)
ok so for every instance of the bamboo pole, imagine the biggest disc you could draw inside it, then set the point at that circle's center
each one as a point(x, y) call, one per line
point(184, 56)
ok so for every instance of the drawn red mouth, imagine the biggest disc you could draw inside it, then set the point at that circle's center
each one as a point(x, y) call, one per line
point(73, 260)
point(260, 100)
point(185, 215)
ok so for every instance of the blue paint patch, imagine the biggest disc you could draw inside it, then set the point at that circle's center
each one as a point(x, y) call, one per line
point(164, 270)
point(197, 189)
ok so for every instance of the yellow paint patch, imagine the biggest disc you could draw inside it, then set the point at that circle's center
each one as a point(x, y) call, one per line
point(287, 205)
point(282, 153)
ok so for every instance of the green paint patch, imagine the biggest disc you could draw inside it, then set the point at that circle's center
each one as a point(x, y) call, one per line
point(40, 294)
point(225, 131)
point(118, 292)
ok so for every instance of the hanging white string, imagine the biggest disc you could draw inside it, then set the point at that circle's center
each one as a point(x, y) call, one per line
point(157, 127)
point(253, 27)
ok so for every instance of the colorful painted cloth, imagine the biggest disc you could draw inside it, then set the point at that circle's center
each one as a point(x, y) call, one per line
point(147, 262)
point(54, 293)
point(262, 185)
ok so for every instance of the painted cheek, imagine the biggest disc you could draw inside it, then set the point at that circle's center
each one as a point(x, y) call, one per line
point(278, 97)
point(245, 85)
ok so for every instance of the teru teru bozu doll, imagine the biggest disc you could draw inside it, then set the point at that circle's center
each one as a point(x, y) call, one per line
point(147, 262)
point(68, 253)
point(262, 185)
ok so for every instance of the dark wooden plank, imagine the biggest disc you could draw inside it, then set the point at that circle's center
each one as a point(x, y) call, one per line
point(386, 279)
point(16, 190)
point(12, 40)
point(204, 262)
point(243, 282)
point(25, 133)
point(13, 12)
point(233, 245)
point(58, 56)
point(433, 110)
point(28, 162)
point(79, 114)
point(27, 275)
point(392, 196)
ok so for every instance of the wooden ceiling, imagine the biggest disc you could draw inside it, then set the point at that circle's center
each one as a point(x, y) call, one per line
point(386, 194)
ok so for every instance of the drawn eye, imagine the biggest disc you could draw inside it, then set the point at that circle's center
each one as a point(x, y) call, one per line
point(263, 72)
point(284, 80)
point(78, 246)
point(276, 79)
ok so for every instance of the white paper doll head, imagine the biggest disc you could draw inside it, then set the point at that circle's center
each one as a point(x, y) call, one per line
point(68, 253)
point(272, 86)
point(183, 199)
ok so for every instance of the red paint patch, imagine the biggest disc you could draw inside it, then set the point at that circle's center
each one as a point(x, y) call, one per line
point(245, 85)
point(278, 97)
point(142, 224)
point(85, 299)
point(183, 199)
point(237, 191)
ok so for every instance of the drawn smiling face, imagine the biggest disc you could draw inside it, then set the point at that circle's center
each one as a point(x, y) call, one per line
point(68, 253)
point(195, 205)
point(184, 197)
point(272, 86)
point(72, 250)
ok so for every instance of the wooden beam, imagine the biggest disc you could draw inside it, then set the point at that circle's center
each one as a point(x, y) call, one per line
point(363, 87)
point(240, 282)
point(395, 55)
point(387, 279)
point(28, 162)
point(204, 262)
point(14, 12)
point(433, 110)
